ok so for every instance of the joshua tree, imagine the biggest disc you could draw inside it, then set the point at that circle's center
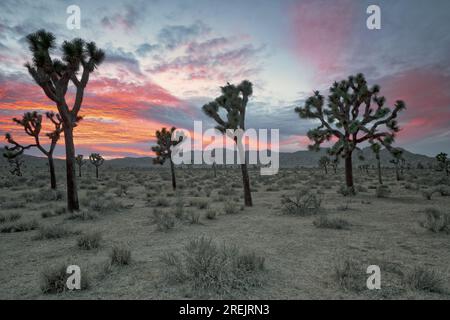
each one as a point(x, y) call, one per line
point(97, 160)
point(15, 162)
point(32, 124)
point(80, 162)
point(444, 162)
point(324, 161)
point(353, 115)
point(79, 60)
point(376, 148)
point(163, 150)
point(234, 101)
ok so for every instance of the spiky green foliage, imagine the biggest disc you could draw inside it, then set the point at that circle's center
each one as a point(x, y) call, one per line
point(78, 60)
point(444, 162)
point(354, 113)
point(233, 101)
point(163, 149)
point(96, 160)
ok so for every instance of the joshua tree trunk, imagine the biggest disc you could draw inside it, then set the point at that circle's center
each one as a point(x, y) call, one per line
point(72, 193)
point(96, 172)
point(326, 170)
point(215, 171)
point(79, 171)
point(246, 182)
point(51, 167)
point(172, 170)
point(349, 172)
point(380, 180)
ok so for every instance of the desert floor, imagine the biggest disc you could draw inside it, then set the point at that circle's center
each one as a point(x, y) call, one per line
point(301, 260)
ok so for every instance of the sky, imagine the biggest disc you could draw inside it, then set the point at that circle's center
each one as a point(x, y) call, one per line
point(165, 59)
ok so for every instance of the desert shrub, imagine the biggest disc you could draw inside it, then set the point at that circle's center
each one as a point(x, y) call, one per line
point(200, 204)
point(89, 241)
point(9, 217)
point(12, 204)
point(443, 190)
point(382, 191)
point(194, 217)
point(161, 202)
point(164, 221)
point(350, 274)
point(53, 280)
point(423, 279)
point(331, 223)
point(53, 232)
point(211, 214)
point(121, 190)
point(436, 221)
point(20, 226)
point(345, 191)
point(427, 194)
point(99, 203)
point(49, 195)
point(230, 208)
point(179, 208)
point(360, 188)
point(120, 256)
point(214, 269)
point(303, 203)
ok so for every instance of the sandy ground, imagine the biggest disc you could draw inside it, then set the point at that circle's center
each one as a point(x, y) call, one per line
point(300, 258)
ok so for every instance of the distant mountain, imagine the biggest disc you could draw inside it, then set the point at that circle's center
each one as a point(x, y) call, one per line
point(287, 159)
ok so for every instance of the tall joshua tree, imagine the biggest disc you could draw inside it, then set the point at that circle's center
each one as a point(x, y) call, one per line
point(353, 115)
point(32, 124)
point(79, 59)
point(163, 150)
point(97, 160)
point(444, 162)
point(80, 162)
point(233, 101)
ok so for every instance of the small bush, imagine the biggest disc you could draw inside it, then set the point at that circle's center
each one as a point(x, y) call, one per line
point(53, 280)
point(382, 191)
point(89, 241)
point(427, 194)
point(345, 191)
point(350, 275)
point(164, 221)
point(424, 279)
point(212, 268)
point(230, 208)
point(211, 214)
point(194, 217)
point(52, 232)
point(83, 215)
point(436, 221)
point(9, 217)
point(161, 202)
point(120, 256)
point(302, 204)
point(20, 227)
point(331, 223)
